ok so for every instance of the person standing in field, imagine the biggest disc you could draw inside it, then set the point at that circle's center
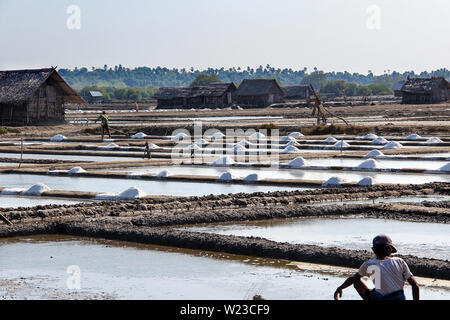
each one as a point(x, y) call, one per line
point(388, 273)
point(105, 124)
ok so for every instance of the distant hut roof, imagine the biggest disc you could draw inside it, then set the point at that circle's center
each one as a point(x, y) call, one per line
point(215, 89)
point(398, 85)
point(17, 86)
point(95, 94)
point(256, 87)
point(295, 91)
point(424, 85)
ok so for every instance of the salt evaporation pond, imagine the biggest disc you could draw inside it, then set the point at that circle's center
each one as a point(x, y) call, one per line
point(136, 271)
point(392, 164)
point(19, 201)
point(157, 187)
point(431, 240)
point(274, 173)
point(68, 157)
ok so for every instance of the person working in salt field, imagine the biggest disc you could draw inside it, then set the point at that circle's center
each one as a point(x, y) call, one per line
point(388, 274)
point(105, 124)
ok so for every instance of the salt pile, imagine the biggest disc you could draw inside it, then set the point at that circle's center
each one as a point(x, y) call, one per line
point(369, 136)
point(132, 193)
point(287, 139)
point(340, 144)
point(374, 154)
point(295, 134)
point(379, 140)
point(12, 191)
point(251, 177)
point(109, 146)
point(330, 140)
point(76, 170)
point(445, 168)
point(298, 163)
point(367, 181)
point(192, 147)
point(369, 164)
point(238, 148)
point(201, 142)
point(244, 143)
point(292, 143)
point(334, 182)
point(163, 174)
point(218, 135)
point(413, 136)
point(37, 189)
point(257, 135)
point(393, 145)
point(224, 161)
point(152, 146)
point(58, 138)
point(179, 136)
point(139, 135)
point(433, 140)
point(290, 150)
point(226, 176)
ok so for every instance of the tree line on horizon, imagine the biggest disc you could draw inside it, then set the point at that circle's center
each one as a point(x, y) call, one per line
point(119, 77)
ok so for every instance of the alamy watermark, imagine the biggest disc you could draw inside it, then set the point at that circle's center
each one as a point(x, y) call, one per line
point(73, 281)
point(373, 21)
point(73, 21)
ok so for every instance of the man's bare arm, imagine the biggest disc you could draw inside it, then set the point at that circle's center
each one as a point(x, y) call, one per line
point(347, 283)
point(415, 288)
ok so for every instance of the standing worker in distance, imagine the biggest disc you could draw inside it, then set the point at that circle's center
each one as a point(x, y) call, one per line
point(105, 124)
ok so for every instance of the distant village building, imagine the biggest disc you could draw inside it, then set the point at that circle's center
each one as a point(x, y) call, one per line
point(425, 90)
point(298, 92)
point(259, 93)
point(93, 97)
point(30, 96)
point(214, 95)
point(397, 88)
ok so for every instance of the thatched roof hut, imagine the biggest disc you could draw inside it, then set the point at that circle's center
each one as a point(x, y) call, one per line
point(425, 90)
point(29, 96)
point(259, 93)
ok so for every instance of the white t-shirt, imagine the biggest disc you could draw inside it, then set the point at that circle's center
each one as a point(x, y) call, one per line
point(388, 275)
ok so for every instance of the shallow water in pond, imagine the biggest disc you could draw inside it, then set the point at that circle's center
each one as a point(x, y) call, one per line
point(431, 240)
point(391, 164)
point(273, 173)
point(67, 157)
point(135, 271)
point(106, 185)
point(19, 201)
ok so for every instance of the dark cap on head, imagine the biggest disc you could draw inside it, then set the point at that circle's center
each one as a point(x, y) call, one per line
point(383, 239)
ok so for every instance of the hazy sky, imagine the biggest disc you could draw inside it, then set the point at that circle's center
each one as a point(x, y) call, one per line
point(332, 35)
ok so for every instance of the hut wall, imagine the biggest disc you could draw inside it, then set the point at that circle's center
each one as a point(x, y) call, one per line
point(45, 104)
point(260, 101)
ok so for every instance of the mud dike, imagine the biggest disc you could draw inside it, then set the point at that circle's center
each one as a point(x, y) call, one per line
point(155, 221)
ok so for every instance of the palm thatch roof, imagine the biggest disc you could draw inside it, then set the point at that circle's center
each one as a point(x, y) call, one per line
point(215, 89)
point(17, 86)
point(257, 87)
point(424, 85)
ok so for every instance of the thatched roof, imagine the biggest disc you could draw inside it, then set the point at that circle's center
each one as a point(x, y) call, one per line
point(424, 85)
point(257, 87)
point(17, 86)
point(215, 89)
point(295, 91)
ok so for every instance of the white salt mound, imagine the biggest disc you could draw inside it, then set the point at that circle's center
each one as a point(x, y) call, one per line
point(295, 134)
point(413, 136)
point(290, 150)
point(132, 193)
point(201, 142)
point(244, 143)
point(163, 174)
point(330, 140)
point(109, 146)
point(298, 163)
point(393, 145)
point(192, 147)
point(292, 143)
point(226, 176)
point(152, 146)
point(37, 189)
point(251, 177)
point(238, 148)
point(379, 140)
point(445, 168)
point(369, 164)
point(224, 161)
point(57, 138)
point(374, 154)
point(369, 136)
point(433, 140)
point(367, 181)
point(340, 144)
point(287, 139)
point(333, 182)
point(218, 135)
point(257, 135)
point(76, 170)
point(139, 135)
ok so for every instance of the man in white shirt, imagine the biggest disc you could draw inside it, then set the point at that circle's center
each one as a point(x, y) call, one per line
point(388, 275)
